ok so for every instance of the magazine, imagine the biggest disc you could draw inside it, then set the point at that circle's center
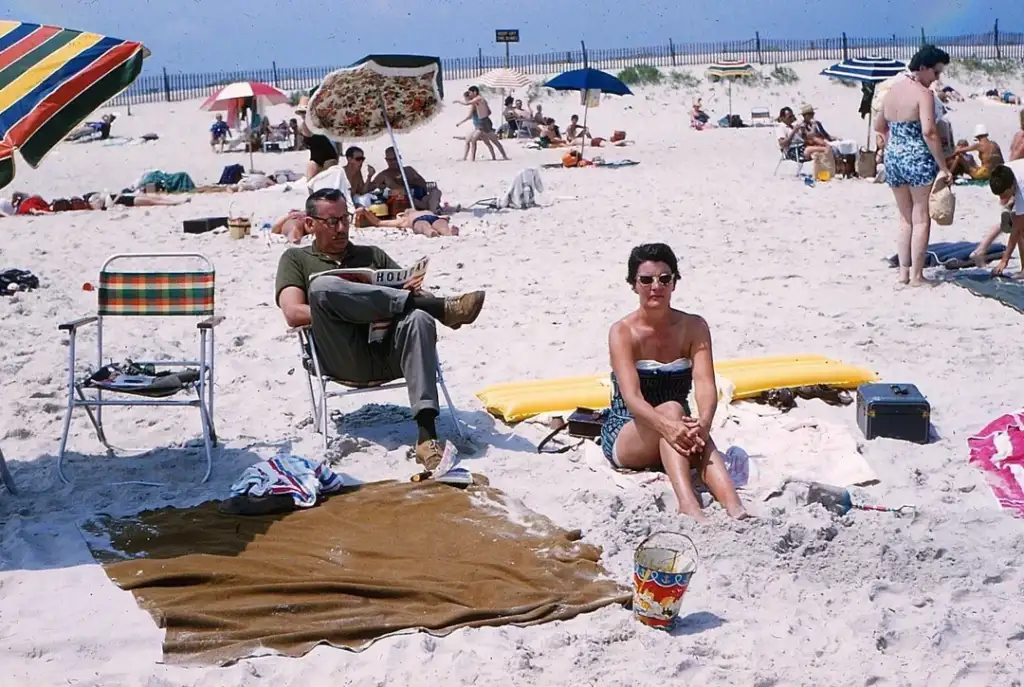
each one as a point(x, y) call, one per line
point(401, 278)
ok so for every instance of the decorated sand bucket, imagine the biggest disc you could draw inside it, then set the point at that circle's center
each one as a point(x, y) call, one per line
point(238, 226)
point(662, 567)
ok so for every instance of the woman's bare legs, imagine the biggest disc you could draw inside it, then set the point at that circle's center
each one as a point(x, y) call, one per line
point(144, 201)
point(922, 223)
point(422, 226)
point(440, 227)
point(638, 447)
point(905, 203)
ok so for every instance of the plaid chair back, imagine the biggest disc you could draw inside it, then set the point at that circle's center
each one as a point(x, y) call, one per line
point(156, 294)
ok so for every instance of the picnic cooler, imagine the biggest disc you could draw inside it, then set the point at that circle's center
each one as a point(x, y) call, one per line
point(201, 226)
point(895, 411)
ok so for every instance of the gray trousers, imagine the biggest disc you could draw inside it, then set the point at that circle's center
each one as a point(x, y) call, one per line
point(342, 312)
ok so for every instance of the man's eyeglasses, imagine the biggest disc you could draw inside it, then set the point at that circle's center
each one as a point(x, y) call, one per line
point(359, 159)
point(648, 279)
point(333, 222)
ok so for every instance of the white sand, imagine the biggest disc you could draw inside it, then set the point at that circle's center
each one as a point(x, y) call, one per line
point(796, 597)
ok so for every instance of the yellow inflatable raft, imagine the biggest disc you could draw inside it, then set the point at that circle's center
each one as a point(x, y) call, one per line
point(515, 401)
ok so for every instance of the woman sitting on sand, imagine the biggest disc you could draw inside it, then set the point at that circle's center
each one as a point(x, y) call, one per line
point(657, 353)
point(292, 226)
point(419, 221)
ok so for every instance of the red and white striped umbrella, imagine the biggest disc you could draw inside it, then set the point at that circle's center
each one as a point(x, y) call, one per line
point(223, 98)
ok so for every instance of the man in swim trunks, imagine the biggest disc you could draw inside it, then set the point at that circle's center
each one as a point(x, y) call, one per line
point(988, 150)
point(218, 134)
point(484, 127)
point(391, 178)
point(1007, 182)
point(419, 221)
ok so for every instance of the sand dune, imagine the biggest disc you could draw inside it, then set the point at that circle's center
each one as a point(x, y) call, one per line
point(775, 266)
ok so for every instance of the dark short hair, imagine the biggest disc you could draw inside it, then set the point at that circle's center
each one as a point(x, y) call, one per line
point(329, 195)
point(352, 150)
point(927, 58)
point(783, 111)
point(574, 117)
point(1001, 180)
point(508, 101)
point(650, 252)
point(474, 89)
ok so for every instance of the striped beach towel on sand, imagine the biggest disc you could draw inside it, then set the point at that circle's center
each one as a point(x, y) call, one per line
point(301, 478)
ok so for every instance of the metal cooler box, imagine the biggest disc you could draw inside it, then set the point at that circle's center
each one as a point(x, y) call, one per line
point(895, 411)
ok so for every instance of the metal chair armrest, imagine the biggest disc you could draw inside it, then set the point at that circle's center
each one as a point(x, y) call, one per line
point(210, 322)
point(299, 329)
point(73, 325)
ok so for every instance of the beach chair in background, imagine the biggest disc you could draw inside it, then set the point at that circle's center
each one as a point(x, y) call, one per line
point(760, 116)
point(176, 287)
point(317, 382)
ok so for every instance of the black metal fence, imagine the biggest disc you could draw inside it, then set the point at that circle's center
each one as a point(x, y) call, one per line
point(991, 45)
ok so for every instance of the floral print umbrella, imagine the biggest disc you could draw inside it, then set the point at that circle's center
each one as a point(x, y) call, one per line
point(369, 100)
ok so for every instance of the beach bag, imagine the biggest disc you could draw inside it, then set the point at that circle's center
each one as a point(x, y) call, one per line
point(942, 202)
point(867, 164)
point(238, 226)
point(583, 424)
point(232, 174)
point(571, 159)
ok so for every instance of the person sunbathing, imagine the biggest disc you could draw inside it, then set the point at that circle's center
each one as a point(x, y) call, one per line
point(100, 201)
point(988, 150)
point(698, 114)
point(1017, 143)
point(292, 226)
point(419, 221)
point(574, 132)
point(657, 353)
point(961, 163)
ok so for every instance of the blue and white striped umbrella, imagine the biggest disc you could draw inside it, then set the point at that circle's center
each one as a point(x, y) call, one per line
point(873, 69)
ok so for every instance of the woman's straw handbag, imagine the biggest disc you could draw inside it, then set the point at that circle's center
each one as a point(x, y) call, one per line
point(238, 227)
point(942, 202)
point(867, 165)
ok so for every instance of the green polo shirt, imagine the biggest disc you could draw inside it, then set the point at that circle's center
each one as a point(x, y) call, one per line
point(297, 264)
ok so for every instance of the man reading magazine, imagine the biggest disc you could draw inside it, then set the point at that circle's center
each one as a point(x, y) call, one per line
point(341, 312)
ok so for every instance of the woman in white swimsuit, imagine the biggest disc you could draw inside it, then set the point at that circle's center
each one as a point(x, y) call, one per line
point(657, 353)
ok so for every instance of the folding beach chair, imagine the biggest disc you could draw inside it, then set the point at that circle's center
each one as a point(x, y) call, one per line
point(126, 292)
point(318, 392)
point(784, 159)
point(760, 116)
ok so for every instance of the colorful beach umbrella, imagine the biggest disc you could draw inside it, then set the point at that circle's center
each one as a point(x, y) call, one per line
point(377, 96)
point(872, 69)
point(730, 70)
point(504, 79)
point(51, 79)
point(228, 96)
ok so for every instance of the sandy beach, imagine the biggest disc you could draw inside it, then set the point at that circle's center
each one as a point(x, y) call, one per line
point(794, 597)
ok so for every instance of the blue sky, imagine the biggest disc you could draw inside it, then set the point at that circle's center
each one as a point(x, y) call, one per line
point(214, 35)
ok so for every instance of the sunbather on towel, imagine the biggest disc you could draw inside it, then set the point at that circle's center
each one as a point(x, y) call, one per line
point(341, 311)
point(657, 353)
point(292, 226)
point(1007, 182)
point(419, 221)
point(99, 201)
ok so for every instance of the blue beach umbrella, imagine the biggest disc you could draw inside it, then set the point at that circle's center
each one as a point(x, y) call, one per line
point(868, 71)
point(584, 80)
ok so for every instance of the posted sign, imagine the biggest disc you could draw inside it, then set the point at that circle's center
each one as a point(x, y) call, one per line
point(506, 36)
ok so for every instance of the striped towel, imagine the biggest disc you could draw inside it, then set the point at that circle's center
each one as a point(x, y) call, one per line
point(998, 451)
point(299, 477)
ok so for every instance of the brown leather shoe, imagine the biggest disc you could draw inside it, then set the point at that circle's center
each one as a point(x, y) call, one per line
point(464, 309)
point(429, 454)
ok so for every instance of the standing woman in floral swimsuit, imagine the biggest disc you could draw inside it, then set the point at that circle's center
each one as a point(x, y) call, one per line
point(907, 132)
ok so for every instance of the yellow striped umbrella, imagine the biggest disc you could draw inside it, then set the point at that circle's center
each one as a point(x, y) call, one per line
point(51, 79)
point(729, 70)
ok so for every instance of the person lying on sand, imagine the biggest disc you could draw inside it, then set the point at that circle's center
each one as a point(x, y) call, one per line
point(988, 150)
point(99, 201)
point(657, 353)
point(292, 226)
point(339, 311)
point(419, 221)
point(1007, 182)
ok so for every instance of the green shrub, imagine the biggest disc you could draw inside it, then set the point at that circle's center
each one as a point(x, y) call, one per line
point(972, 66)
point(295, 96)
point(784, 75)
point(683, 79)
point(640, 75)
point(755, 80)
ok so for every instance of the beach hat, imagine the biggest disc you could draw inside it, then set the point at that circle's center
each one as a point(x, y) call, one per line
point(807, 109)
point(980, 131)
point(303, 105)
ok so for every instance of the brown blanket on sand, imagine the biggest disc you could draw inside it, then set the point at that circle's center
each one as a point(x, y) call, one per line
point(372, 561)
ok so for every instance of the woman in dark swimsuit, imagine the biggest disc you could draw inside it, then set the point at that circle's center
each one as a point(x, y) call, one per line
point(657, 353)
point(322, 153)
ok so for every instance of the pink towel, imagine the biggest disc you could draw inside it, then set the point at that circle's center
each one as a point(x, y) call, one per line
point(998, 451)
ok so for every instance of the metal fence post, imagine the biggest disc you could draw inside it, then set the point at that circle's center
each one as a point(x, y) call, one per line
point(846, 52)
point(757, 44)
point(167, 86)
point(273, 65)
point(672, 52)
point(995, 40)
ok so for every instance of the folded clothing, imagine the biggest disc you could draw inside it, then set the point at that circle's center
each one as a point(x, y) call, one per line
point(300, 478)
